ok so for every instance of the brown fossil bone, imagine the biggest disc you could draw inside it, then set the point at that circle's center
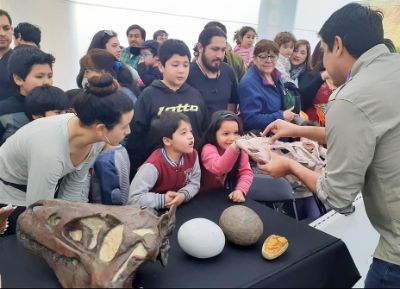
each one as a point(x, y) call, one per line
point(306, 152)
point(95, 246)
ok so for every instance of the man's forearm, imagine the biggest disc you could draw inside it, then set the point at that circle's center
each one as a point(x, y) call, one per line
point(308, 177)
point(314, 133)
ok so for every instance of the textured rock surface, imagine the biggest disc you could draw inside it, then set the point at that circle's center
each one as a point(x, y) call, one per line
point(95, 246)
point(241, 225)
point(201, 238)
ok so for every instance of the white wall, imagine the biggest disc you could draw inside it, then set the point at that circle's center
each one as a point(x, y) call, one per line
point(69, 25)
point(57, 22)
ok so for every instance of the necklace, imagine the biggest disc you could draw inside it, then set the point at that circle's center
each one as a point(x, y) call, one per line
point(204, 72)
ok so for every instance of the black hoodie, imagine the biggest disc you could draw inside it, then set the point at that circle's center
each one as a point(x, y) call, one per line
point(152, 102)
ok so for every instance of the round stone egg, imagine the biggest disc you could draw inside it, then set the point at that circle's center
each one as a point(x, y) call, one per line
point(201, 238)
point(241, 225)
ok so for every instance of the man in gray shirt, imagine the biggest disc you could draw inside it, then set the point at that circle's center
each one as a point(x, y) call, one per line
point(362, 133)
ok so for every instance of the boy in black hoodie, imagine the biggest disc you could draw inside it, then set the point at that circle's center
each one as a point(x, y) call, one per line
point(170, 94)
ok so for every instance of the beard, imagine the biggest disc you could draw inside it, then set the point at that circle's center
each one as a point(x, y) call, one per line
point(208, 66)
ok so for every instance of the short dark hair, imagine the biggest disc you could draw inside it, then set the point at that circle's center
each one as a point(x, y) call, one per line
point(24, 57)
point(137, 27)
point(207, 35)
point(216, 24)
point(102, 102)
point(284, 37)
point(166, 125)
point(101, 38)
point(359, 27)
point(28, 32)
point(159, 33)
point(46, 98)
point(5, 13)
point(265, 45)
point(171, 47)
point(390, 45)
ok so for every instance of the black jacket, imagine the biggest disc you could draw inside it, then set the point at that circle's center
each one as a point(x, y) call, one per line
point(152, 102)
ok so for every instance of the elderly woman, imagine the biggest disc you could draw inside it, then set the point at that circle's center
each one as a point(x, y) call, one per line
point(261, 90)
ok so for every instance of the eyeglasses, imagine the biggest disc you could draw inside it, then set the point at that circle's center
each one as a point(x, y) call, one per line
point(264, 57)
point(109, 33)
point(147, 54)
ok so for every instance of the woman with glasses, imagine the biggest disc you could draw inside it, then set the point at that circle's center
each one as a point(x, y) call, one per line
point(108, 40)
point(261, 90)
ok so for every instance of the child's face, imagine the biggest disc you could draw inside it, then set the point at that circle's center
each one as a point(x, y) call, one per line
point(113, 46)
point(227, 134)
point(50, 113)
point(286, 49)
point(182, 140)
point(148, 58)
point(55, 112)
point(176, 71)
point(40, 75)
point(248, 39)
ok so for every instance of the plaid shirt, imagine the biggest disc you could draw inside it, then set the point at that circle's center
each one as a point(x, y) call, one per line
point(129, 59)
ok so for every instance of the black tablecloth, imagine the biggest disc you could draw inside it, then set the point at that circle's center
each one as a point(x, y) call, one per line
point(314, 259)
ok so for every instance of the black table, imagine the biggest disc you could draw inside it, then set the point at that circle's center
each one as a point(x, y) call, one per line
point(314, 259)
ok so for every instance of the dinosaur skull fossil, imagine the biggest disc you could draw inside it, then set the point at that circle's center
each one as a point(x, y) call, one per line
point(97, 246)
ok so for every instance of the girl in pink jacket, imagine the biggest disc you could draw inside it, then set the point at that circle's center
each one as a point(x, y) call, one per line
point(224, 165)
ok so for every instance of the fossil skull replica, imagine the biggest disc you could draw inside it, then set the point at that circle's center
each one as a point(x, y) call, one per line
point(306, 152)
point(95, 246)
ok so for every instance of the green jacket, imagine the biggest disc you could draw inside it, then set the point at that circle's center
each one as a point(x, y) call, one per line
point(236, 62)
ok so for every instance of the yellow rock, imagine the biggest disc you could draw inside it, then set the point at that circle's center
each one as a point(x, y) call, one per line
point(274, 246)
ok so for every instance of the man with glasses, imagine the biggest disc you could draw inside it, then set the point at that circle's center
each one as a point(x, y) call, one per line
point(136, 36)
point(7, 88)
point(214, 78)
point(160, 36)
point(261, 90)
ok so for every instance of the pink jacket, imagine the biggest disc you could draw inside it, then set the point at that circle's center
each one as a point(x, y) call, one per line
point(247, 54)
point(216, 167)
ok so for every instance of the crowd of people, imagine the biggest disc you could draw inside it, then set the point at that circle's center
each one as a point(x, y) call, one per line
point(150, 125)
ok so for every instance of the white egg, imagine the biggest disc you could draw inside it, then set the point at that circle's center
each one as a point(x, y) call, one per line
point(201, 238)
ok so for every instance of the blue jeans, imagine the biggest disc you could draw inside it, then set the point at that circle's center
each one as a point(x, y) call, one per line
point(382, 274)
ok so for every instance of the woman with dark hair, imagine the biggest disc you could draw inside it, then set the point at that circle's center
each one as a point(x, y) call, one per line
point(98, 61)
point(300, 60)
point(315, 87)
point(51, 156)
point(108, 40)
